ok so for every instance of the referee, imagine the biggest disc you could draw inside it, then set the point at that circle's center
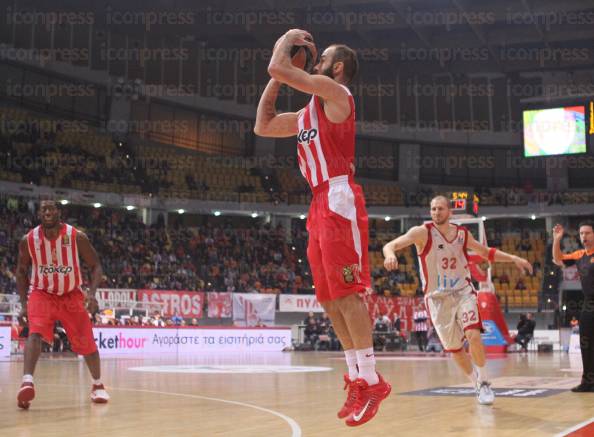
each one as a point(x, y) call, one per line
point(584, 260)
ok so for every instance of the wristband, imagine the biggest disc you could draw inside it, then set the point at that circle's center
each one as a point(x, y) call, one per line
point(492, 254)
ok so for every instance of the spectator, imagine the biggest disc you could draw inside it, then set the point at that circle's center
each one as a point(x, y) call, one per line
point(177, 319)
point(420, 322)
point(311, 333)
point(525, 330)
point(575, 325)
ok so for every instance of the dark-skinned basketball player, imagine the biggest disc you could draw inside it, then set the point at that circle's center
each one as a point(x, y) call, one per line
point(52, 292)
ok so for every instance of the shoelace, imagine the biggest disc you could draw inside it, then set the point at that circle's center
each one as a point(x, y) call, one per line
point(359, 402)
point(353, 392)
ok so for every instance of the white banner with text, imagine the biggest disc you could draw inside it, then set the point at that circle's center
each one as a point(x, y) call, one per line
point(299, 303)
point(138, 341)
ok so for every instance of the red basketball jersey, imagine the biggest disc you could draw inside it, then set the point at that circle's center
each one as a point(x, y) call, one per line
point(55, 264)
point(325, 149)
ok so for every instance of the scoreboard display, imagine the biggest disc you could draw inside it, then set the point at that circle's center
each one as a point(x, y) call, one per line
point(463, 202)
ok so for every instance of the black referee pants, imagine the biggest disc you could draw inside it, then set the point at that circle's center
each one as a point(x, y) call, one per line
point(587, 342)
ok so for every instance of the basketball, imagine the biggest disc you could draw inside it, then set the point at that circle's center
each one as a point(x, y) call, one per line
point(302, 58)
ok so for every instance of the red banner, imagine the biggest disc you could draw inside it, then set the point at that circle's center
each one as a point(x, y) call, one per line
point(390, 306)
point(187, 304)
point(220, 305)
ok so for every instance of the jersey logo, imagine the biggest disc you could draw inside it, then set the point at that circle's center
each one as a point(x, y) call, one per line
point(440, 246)
point(447, 283)
point(307, 135)
point(66, 240)
point(45, 269)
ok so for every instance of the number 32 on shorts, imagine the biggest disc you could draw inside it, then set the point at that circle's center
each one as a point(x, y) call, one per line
point(469, 317)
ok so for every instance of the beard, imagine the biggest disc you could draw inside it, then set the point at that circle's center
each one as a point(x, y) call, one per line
point(328, 72)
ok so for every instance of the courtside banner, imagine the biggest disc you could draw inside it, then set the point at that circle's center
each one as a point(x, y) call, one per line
point(187, 304)
point(220, 305)
point(4, 341)
point(138, 341)
point(299, 303)
point(393, 306)
point(249, 309)
point(116, 297)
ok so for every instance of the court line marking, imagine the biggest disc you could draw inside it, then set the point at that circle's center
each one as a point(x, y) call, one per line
point(295, 428)
point(575, 428)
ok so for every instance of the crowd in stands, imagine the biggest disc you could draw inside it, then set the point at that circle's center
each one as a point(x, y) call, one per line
point(215, 257)
point(244, 256)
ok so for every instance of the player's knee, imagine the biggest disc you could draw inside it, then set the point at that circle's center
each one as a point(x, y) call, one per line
point(34, 338)
point(473, 335)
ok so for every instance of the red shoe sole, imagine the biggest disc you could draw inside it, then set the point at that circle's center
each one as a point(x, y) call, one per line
point(99, 401)
point(25, 396)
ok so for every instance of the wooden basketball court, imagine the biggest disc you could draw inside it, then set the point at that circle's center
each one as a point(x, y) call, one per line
point(261, 396)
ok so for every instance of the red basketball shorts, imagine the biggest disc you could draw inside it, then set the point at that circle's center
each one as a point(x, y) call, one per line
point(338, 239)
point(44, 309)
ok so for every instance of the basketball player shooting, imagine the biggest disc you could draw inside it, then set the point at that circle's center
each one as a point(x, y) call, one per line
point(450, 297)
point(53, 293)
point(337, 219)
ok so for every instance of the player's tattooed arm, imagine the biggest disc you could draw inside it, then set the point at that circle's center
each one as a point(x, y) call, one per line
point(89, 256)
point(268, 122)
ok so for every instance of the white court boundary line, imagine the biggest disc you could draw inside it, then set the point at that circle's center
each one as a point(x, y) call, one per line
point(295, 428)
point(574, 428)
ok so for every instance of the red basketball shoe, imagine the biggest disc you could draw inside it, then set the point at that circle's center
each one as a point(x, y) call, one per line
point(353, 390)
point(368, 401)
point(26, 395)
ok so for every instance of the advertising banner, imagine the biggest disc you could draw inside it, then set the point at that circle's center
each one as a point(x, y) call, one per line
point(116, 297)
point(302, 303)
point(138, 341)
point(391, 306)
point(187, 304)
point(220, 305)
point(251, 309)
point(4, 341)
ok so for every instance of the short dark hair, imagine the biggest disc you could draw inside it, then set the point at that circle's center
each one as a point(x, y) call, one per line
point(586, 223)
point(346, 55)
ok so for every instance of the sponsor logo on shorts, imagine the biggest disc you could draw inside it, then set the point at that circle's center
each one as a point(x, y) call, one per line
point(45, 269)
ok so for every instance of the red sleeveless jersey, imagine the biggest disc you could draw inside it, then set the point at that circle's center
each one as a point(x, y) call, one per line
point(325, 149)
point(55, 265)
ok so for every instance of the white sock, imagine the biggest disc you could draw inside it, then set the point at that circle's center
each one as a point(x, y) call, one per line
point(482, 373)
point(351, 360)
point(28, 378)
point(366, 363)
point(96, 382)
point(473, 376)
